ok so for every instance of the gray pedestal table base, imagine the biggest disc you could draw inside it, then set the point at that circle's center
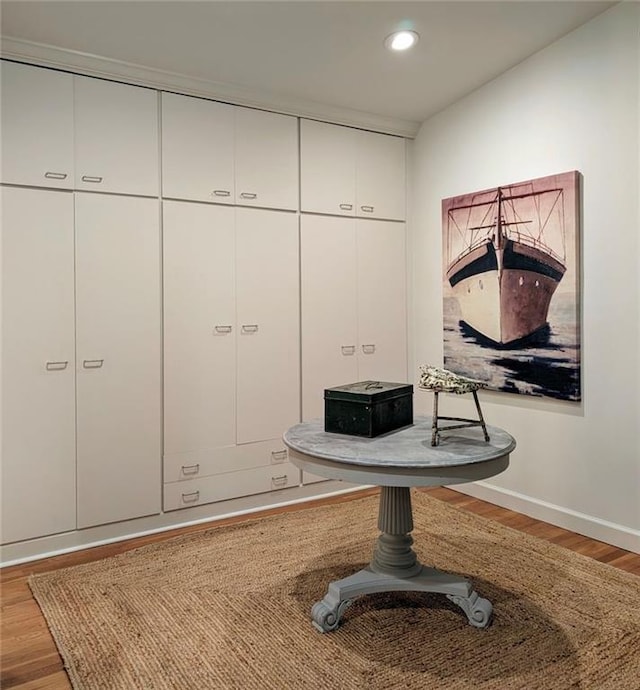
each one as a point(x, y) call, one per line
point(395, 568)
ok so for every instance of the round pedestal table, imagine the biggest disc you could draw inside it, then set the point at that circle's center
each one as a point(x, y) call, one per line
point(397, 461)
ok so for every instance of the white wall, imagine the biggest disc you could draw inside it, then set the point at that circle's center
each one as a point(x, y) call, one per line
point(573, 106)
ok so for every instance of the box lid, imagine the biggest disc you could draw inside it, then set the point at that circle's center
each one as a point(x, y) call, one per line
point(368, 391)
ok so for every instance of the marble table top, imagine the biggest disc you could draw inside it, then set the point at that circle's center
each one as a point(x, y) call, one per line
point(406, 448)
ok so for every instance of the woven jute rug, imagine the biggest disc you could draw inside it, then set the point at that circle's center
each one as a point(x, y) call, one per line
point(229, 608)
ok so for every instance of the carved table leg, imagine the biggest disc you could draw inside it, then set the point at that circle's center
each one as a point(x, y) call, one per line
point(395, 567)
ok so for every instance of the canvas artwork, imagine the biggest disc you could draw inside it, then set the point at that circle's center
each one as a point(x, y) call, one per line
point(511, 286)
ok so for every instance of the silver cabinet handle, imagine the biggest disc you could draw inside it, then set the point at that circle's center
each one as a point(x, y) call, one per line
point(55, 175)
point(280, 481)
point(346, 207)
point(248, 195)
point(91, 178)
point(190, 469)
point(367, 209)
point(369, 349)
point(221, 192)
point(192, 497)
point(348, 349)
point(56, 366)
point(92, 363)
point(249, 327)
point(278, 456)
point(223, 329)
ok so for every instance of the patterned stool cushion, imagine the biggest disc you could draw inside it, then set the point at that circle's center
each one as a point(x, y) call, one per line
point(445, 381)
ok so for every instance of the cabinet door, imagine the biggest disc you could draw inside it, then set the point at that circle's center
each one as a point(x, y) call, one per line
point(381, 176)
point(199, 329)
point(327, 168)
point(329, 316)
point(38, 377)
point(116, 137)
point(268, 323)
point(37, 126)
point(197, 149)
point(266, 153)
point(118, 351)
point(382, 300)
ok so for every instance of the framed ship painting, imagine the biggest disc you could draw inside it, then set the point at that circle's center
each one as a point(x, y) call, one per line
point(511, 286)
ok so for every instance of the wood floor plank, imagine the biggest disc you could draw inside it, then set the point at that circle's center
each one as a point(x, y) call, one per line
point(14, 591)
point(29, 658)
point(52, 677)
point(53, 681)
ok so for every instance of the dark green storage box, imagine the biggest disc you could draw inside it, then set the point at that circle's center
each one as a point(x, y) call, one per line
point(368, 408)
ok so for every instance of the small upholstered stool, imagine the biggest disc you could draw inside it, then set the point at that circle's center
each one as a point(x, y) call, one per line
point(444, 381)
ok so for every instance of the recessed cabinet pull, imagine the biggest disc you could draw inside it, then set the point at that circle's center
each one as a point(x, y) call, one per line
point(91, 178)
point(191, 469)
point(346, 207)
point(92, 363)
point(223, 329)
point(280, 481)
point(369, 349)
point(56, 366)
point(248, 195)
point(192, 497)
point(55, 175)
point(249, 327)
point(348, 349)
point(221, 192)
point(278, 456)
point(367, 209)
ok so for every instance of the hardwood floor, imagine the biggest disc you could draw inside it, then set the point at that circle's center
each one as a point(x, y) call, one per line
point(29, 659)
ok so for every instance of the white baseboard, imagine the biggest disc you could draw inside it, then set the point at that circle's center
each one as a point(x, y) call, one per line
point(592, 527)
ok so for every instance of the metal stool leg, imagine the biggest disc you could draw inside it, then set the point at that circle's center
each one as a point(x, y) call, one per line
point(434, 425)
point(484, 427)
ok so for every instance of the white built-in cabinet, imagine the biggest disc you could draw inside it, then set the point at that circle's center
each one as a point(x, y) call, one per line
point(67, 131)
point(228, 154)
point(351, 172)
point(38, 364)
point(275, 246)
point(354, 323)
point(80, 360)
point(231, 353)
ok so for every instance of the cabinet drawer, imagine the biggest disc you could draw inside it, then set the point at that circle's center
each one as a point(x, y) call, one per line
point(179, 467)
point(222, 487)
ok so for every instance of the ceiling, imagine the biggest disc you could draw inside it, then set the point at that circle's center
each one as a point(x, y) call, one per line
point(307, 52)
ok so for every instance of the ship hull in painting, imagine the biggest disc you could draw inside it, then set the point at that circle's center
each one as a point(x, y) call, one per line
point(504, 294)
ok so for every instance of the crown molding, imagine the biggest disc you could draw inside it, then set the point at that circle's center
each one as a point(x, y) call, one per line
point(107, 68)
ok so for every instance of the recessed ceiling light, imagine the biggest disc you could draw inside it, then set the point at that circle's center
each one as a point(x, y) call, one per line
point(401, 40)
